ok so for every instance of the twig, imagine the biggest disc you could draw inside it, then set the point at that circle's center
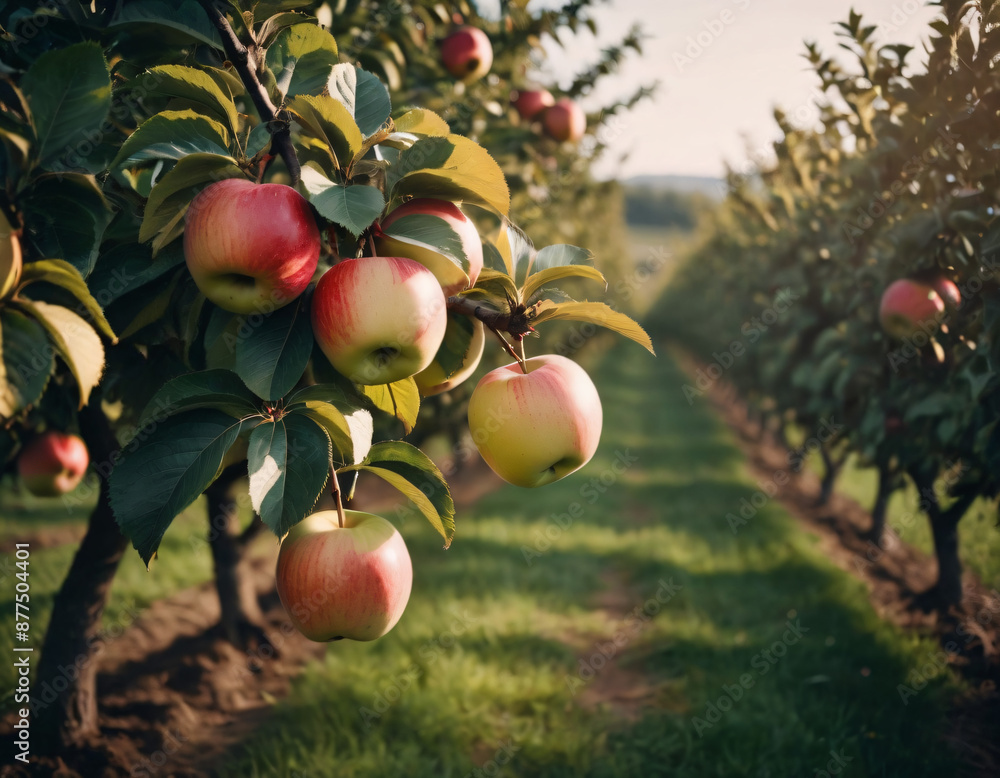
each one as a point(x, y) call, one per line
point(276, 120)
point(515, 322)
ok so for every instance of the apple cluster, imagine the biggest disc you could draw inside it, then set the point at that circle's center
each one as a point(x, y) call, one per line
point(381, 319)
point(563, 120)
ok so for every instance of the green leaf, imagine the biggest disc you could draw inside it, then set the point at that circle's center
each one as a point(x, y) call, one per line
point(362, 94)
point(128, 267)
point(561, 255)
point(594, 313)
point(164, 471)
point(271, 27)
point(301, 58)
point(26, 362)
point(400, 400)
point(331, 123)
point(289, 463)
point(65, 276)
point(172, 195)
point(187, 17)
point(221, 390)
point(469, 174)
point(350, 430)
point(75, 340)
point(493, 287)
point(420, 121)
point(69, 91)
point(457, 338)
point(418, 478)
point(536, 281)
point(430, 232)
point(273, 357)
point(426, 153)
point(192, 85)
point(66, 216)
point(353, 207)
point(172, 135)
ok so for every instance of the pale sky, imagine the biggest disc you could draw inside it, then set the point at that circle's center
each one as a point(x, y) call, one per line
point(723, 93)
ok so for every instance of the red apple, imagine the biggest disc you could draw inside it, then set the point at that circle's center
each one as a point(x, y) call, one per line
point(251, 248)
point(379, 319)
point(909, 307)
point(53, 464)
point(452, 278)
point(947, 290)
point(538, 427)
point(433, 379)
point(344, 582)
point(467, 54)
point(531, 102)
point(565, 121)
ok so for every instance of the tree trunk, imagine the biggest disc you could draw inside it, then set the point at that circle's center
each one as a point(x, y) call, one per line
point(831, 469)
point(944, 526)
point(881, 505)
point(65, 709)
point(240, 619)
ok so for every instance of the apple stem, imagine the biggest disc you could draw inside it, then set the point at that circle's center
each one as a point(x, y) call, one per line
point(335, 488)
point(507, 347)
point(277, 121)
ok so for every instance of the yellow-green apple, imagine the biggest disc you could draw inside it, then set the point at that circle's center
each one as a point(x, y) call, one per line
point(344, 582)
point(434, 379)
point(453, 278)
point(531, 102)
point(379, 319)
point(947, 290)
point(909, 307)
point(251, 248)
point(53, 464)
point(537, 427)
point(467, 54)
point(565, 121)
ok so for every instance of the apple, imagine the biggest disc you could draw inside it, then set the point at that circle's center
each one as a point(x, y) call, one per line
point(467, 54)
point(537, 427)
point(433, 379)
point(947, 290)
point(531, 102)
point(344, 582)
point(379, 319)
point(565, 121)
point(451, 277)
point(909, 307)
point(251, 248)
point(53, 464)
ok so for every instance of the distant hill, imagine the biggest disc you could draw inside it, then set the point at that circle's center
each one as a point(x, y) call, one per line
point(703, 185)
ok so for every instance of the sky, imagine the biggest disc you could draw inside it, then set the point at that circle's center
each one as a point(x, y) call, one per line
point(722, 65)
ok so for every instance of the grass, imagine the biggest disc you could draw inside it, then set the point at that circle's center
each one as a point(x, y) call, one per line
point(503, 635)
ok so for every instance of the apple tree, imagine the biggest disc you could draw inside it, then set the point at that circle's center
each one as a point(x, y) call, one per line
point(851, 281)
point(194, 200)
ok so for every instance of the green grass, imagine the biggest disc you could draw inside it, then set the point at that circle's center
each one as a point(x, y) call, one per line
point(488, 653)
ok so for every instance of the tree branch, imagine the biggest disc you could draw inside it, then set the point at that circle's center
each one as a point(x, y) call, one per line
point(514, 323)
point(277, 120)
